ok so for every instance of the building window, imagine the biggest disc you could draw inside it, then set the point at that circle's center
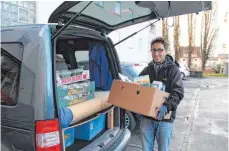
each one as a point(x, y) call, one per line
point(14, 2)
point(14, 9)
point(26, 4)
point(118, 8)
point(194, 55)
point(20, 3)
point(32, 5)
point(32, 18)
point(6, 7)
point(185, 55)
point(13, 17)
point(99, 3)
point(23, 14)
point(10, 77)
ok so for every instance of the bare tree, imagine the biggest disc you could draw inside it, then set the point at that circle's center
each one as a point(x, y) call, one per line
point(191, 37)
point(176, 35)
point(165, 31)
point(208, 35)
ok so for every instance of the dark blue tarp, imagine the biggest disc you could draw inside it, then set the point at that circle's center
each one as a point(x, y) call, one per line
point(66, 117)
point(99, 67)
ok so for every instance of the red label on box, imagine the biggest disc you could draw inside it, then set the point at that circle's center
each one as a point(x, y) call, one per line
point(67, 80)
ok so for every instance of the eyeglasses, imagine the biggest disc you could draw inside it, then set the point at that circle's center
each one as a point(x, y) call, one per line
point(159, 50)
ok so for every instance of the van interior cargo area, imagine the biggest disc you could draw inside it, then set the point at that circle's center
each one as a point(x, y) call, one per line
point(71, 54)
point(102, 137)
point(79, 144)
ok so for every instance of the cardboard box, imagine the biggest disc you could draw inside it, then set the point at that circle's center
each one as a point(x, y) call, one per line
point(142, 79)
point(75, 88)
point(74, 99)
point(110, 119)
point(69, 137)
point(136, 98)
point(67, 77)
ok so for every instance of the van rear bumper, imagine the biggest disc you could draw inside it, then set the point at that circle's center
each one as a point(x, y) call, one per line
point(115, 139)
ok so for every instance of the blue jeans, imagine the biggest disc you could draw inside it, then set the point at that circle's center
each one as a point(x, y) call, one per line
point(151, 129)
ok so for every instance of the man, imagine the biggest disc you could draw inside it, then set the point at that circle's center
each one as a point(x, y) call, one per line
point(163, 69)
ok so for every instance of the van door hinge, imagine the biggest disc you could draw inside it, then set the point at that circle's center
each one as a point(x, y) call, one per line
point(103, 32)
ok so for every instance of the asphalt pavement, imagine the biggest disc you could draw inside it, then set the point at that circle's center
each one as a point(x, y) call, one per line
point(202, 118)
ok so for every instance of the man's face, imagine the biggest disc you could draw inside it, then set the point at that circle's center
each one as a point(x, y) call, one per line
point(158, 52)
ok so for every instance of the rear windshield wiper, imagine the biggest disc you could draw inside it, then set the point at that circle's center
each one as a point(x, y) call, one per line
point(70, 21)
point(135, 33)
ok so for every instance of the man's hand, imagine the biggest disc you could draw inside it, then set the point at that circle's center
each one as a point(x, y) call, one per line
point(162, 112)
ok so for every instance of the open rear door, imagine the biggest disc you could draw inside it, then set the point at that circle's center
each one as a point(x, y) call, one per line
point(113, 15)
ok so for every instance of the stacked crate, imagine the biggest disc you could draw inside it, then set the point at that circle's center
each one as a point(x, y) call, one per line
point(74, 87)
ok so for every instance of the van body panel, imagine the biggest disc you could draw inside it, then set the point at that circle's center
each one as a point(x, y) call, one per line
point(36, 95)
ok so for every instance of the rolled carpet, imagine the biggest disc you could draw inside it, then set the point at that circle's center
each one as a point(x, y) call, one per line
point(83, 110)
point(90, 107)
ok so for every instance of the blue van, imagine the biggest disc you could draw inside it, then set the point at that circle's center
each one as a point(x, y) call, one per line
point(30, 119)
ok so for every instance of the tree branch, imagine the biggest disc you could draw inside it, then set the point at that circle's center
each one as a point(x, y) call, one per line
point(208, 34)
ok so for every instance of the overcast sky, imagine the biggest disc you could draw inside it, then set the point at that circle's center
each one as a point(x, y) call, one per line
point(45, 9)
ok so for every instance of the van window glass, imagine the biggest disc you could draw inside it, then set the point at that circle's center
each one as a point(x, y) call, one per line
point(112, 13)
point(82, 59)
point(10, 73)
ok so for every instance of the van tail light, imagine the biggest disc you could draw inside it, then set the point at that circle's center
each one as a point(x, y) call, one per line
point(47, 135)
point(137, 64)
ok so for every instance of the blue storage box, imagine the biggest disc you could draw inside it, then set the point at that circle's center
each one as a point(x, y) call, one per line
point(69, 137)
point(89, 130)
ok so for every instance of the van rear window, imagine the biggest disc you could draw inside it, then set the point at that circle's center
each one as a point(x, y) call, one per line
point(10, 73)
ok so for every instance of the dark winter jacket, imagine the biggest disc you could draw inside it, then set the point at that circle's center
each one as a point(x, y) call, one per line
point(168, 73)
